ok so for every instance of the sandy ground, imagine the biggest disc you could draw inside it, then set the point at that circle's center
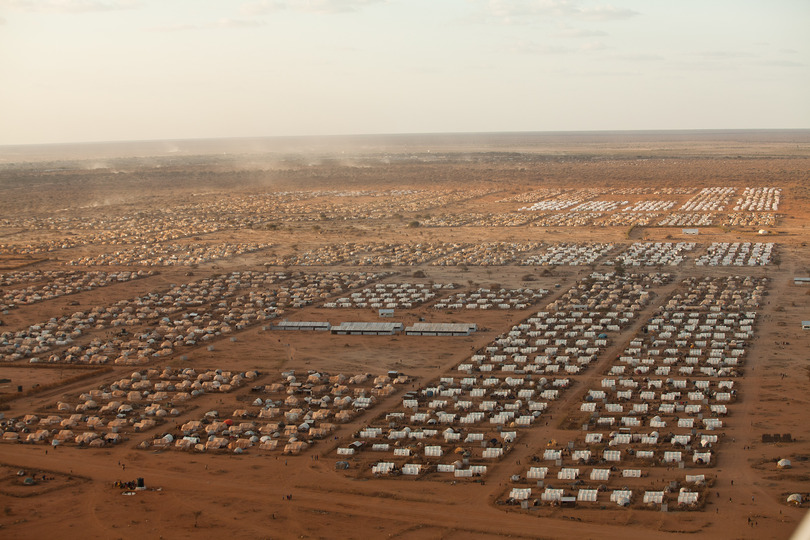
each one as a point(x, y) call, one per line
point(246, 496)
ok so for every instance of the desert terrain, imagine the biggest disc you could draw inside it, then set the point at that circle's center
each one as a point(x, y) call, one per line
point(627, 357)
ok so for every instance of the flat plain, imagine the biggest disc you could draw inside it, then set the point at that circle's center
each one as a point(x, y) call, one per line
point(632, 363)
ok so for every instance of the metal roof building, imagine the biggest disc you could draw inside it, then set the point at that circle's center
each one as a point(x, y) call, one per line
point(301, 325)
point(368, 328)
point(441, 329)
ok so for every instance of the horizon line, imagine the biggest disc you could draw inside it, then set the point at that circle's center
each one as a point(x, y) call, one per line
point(411, 134)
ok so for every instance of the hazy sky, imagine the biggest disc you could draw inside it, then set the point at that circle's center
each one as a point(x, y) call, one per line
point(97, 70)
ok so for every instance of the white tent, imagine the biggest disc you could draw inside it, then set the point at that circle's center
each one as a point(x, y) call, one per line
point(587, 495)
point(411, 469)
point(537, 473)
point(672, 457)
point(688, 497)
point(621, 496)
point(383, 467)
point(655, 497)
point(520, 494)
point(433, 451)
point(601, 475)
